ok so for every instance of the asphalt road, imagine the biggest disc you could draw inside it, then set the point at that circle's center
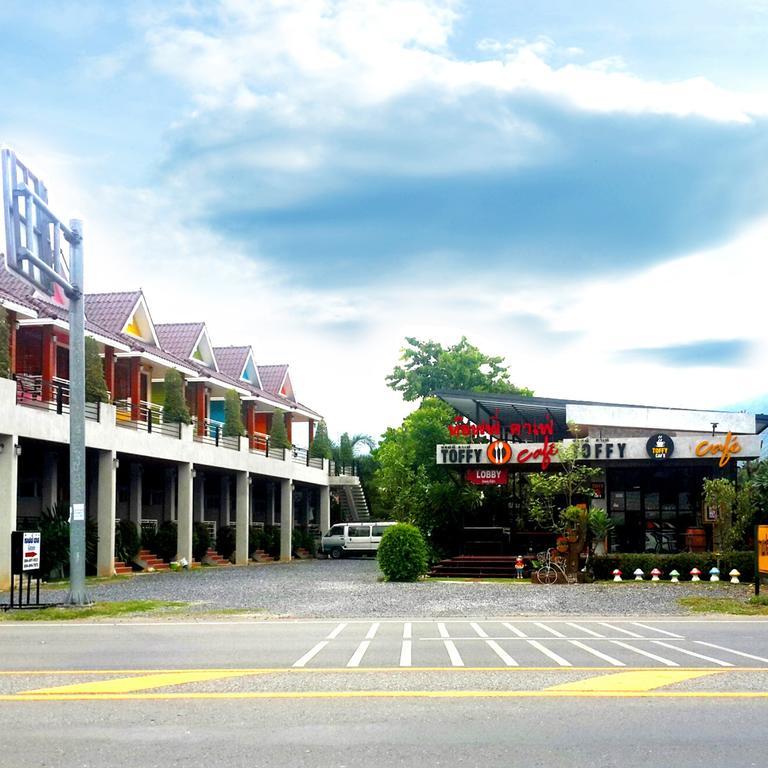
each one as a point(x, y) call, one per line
point(557, 691)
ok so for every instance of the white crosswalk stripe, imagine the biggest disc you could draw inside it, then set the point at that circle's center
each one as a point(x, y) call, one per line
point(599, 654)
point(586, 630)
point(693, 653)
point(480, 631)
point(549, 629)
point(648, 654)
point(453, 654)
point(501, 653)
point(552, 655)
point(514, 630)
point(619, 629)
point(357, 656)
point(656, 629)
point(731, 650)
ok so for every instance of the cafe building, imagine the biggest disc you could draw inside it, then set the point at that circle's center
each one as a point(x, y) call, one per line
point(652, 462)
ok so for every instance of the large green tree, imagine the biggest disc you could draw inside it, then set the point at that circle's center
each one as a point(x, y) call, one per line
point(428, 367)
point(411, 487)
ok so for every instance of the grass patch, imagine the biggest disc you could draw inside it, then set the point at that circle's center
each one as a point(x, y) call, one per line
point(757, 605)
point(97, 610)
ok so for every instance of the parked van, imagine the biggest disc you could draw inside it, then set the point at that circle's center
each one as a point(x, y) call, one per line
point(353, 538)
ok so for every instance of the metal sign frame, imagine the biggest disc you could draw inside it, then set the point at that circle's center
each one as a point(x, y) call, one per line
point(34, 254)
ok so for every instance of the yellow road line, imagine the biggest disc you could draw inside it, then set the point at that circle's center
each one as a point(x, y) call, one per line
point(354, 670)
point(136, 683)
point(637, 681)
point(232, 695)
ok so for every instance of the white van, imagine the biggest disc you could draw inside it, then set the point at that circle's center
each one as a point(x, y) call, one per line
point(353, 538)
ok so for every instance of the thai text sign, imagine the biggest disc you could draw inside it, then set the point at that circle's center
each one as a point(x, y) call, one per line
point(761, 542)
point(478, 476)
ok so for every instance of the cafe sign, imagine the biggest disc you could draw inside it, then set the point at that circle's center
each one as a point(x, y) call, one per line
point(502, 453)
point(478, 476)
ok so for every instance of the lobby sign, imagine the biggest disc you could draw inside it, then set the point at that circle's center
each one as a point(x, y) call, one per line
point(503, 453)
point(478, 476)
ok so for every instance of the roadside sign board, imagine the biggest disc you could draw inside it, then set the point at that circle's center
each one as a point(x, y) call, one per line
point(761, 555)
point(25, 551)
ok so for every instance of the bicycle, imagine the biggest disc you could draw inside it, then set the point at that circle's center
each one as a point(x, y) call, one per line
point(550, 567)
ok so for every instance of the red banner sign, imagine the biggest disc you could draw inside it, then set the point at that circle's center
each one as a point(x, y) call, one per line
point(489, 476)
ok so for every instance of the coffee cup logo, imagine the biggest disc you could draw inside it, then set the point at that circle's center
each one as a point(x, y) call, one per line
point(660, 446)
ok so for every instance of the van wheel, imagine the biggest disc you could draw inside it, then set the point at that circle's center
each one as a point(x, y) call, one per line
point(336, 553)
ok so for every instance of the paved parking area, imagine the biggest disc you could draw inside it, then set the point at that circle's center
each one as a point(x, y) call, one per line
point(352, 588)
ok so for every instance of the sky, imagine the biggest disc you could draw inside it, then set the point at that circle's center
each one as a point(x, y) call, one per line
point(581, 188)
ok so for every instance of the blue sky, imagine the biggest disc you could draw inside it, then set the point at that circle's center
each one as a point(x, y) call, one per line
point(585, 193)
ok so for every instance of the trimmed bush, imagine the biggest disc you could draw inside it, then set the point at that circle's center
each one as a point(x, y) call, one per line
point(226, 541)
point(95, 384)
point(127, 540)
point(744, 562)
point(402, 553)
point(201, 540)
point(255, 539)
point(5, 352)
point(165, 542)
point(278, 435)
point(303, 539)
point(175, 410)
point(233, 420)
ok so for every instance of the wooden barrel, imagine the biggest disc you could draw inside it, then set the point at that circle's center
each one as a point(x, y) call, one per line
point(696, 539)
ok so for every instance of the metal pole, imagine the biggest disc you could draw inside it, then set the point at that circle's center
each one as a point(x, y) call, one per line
point(77, 594)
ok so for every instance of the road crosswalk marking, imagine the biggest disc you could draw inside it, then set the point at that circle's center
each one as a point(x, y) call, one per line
point(506, 642)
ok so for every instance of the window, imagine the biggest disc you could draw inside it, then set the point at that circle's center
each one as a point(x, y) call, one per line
point(378, 530)
point(337, 530)
point(359, 531)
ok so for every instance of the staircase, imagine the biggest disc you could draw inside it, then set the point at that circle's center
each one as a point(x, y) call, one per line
point(150, 560)
point(260, 556)
point(354, 507)
point(122, 568)
point(212, 557)
point(478, 567)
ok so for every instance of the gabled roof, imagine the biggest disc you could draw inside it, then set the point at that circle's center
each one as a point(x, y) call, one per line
point(231, 360)
point(272, 377)
point(111, 310)
point(183, 340)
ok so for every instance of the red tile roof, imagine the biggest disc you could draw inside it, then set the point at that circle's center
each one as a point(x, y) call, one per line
point(231, 360)
point(179, 338)
point(111, 310)
point(272, 377)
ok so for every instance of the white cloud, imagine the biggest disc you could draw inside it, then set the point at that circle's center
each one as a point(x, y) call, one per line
point(323, 60)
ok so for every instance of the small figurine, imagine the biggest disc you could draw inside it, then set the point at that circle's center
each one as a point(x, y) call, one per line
point(519, 566)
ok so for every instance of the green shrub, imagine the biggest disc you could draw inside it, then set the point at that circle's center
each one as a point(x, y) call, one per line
point(303, 539)
point(165, 541)
point(5, 352)
point(226, 541)
point(233, 419)
point(53, 525)
point(127, 541)
point(402, 553)
point(255, 539)
point(278, 435)
point(272, 541)
point(175, 410)
point(201, 541)
point(95, 384)
point(682, 562)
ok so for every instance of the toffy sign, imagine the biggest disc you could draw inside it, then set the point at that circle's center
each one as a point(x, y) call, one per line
point(501, 453)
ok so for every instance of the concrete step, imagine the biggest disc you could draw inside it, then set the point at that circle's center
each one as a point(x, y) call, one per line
point(122, 568)
point(260, 556)
point(212, 557)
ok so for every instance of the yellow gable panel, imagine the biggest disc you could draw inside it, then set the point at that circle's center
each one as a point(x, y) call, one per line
point(133, 327)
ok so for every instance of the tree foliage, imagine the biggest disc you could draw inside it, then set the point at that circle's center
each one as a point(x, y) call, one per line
point(428, 367)
point(175, 410)
point(346, 454)
point(233, 419)
point(321, 447)
point(412, 487)
point(95, 383)
point(278, 435)
point(5, 350)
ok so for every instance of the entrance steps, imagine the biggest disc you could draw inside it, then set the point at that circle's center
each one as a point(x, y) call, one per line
point(122, 568)
point(303, 554)
point(212, 557)
point(147, 560)
point(260, 556)
point(478, 567)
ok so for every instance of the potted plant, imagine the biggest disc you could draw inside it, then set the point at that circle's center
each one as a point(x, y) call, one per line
point(600, 525)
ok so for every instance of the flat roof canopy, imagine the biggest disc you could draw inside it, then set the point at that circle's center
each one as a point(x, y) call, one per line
point(482, 406)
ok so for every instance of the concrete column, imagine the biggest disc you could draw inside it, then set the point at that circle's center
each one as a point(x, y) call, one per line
point(184, 511)
point(50, 485)
point(270, 516)
point(325, 509)
point(134, 500)
point(242, 517)
point(199, 498)
point(169, 495)
point(225, 515)
point(286, 519)
point(106, 502)
point(9, 482)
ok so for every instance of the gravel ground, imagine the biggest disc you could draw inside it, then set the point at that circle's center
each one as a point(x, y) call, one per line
point(351, 588)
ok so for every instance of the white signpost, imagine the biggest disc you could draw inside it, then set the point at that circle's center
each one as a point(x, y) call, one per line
point(31, 551)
